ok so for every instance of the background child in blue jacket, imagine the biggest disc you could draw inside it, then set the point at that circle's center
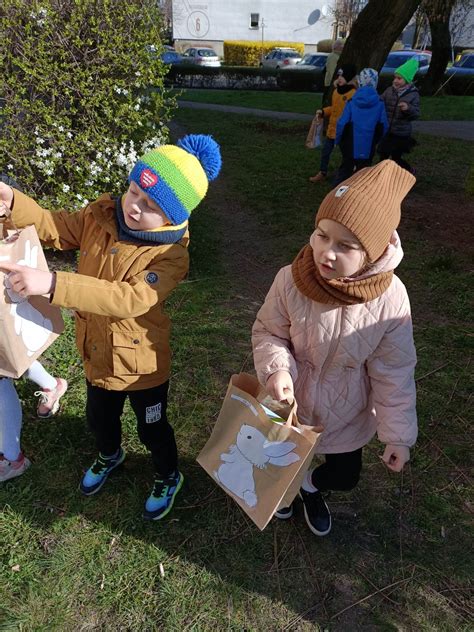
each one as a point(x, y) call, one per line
point(361, 126)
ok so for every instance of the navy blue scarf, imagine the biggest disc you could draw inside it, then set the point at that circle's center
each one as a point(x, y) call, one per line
point(170, 236)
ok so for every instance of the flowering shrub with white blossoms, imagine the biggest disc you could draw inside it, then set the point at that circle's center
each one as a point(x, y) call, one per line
point(81, 97)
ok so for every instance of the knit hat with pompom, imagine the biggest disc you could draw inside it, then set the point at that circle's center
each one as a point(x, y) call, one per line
point(176, 177)
point(368, 77)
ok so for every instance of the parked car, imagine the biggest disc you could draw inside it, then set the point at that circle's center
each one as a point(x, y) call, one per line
point(460, 77)
point(313, 61)
point(398, 57)
point(308, 74)
point(281, 57)
point(171, 57)
point(202, 56)
point(168, 56)
point(464, 66)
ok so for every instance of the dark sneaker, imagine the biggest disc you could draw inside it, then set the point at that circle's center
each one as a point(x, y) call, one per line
point(99, 471)
point(316, 512)
point(161, 499)
point(284, 512)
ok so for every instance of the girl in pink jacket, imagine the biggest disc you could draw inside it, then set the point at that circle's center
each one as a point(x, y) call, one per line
point(335, 332)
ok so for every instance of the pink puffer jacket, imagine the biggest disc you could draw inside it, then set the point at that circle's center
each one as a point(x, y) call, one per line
point(352, 366)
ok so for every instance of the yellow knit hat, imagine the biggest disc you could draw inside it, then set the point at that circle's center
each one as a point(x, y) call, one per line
point(368, 204)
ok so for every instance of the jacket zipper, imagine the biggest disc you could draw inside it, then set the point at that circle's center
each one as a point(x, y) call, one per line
point(332, 347)
point(394, 113)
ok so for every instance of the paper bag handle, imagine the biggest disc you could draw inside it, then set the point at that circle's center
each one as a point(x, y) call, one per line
point(292, 413)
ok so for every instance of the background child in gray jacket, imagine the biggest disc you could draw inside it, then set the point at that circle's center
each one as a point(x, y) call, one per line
point(402, 102)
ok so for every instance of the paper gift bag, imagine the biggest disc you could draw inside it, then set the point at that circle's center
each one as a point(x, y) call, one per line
point(313, 139)
point(28, 325)
point(260, 463)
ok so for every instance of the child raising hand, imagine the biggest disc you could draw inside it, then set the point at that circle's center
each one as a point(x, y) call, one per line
point(335, 332)
point(133, 253)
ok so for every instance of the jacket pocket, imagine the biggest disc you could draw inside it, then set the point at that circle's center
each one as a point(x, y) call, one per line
point(133, 353)
point(81, 332)
point(357, 387)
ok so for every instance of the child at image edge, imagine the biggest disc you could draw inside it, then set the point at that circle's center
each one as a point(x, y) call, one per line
point(12, 460)
point(133, 253)
point(335, 332)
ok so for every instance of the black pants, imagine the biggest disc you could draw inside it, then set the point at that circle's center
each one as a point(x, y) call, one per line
point(104, 409)
point(340, 472)
point(350, 166)
point(396, 156)
point(393, 146)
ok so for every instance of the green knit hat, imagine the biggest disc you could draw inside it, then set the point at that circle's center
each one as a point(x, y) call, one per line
point(408, 69)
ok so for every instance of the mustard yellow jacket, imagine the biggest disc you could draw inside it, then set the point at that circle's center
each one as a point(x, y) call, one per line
point(122, 331)
point(334, 111)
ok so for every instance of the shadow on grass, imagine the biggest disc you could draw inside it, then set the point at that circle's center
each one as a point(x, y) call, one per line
point(383, 553)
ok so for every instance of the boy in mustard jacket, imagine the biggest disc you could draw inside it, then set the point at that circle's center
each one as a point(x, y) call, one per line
point(133, 253)
point(344, 87)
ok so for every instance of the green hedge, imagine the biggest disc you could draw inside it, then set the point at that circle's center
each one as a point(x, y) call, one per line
point(286, 79)
point(301, 80)
point(225, 76)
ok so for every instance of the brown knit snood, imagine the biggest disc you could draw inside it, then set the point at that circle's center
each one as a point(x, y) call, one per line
point(309, 282)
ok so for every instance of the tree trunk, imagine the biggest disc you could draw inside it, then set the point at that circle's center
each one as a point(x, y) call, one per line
point(441, 49)
point(375, 30)
point(439, 15)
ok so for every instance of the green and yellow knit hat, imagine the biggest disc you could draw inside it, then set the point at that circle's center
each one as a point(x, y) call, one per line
point(408, 70)
point(176, 177)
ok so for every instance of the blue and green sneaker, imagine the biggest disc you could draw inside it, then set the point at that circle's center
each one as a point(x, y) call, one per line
point(99, 471)
point(161, 499)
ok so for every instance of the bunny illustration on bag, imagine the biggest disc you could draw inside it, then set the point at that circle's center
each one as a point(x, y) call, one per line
point(251, 449)
point(30, 323)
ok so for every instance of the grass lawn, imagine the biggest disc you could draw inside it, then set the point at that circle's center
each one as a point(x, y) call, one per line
point(444, 108)
point(397, 558)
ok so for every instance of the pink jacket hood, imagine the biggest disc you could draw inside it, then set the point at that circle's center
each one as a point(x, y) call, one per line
point(390, 259)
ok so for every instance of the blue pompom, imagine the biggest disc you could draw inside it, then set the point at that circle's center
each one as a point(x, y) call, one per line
point(206, 150)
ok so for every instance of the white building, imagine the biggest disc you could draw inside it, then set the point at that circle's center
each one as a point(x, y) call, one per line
point(211, 22)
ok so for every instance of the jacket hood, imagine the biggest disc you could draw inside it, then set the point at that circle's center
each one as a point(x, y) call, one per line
point(390, 259)
point(365, 97)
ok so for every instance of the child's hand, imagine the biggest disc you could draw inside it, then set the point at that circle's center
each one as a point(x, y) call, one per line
point(395, 457)
point(319, 114)
point(403, 105)
point(280, 386)
point(6, 199)
point(27, 281)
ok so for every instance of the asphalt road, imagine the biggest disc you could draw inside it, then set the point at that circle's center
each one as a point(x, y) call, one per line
point(463, 130)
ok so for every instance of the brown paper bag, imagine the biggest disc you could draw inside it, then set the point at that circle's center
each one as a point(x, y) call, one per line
point(313, 139)
point(258, 462)
point(28, 326)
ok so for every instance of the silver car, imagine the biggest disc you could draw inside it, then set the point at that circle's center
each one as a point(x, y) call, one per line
point(202, 56)
point(280, 58)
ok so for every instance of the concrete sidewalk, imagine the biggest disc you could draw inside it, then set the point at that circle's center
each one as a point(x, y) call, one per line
point(463, 130)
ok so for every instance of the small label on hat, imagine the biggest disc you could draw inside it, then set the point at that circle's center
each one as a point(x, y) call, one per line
point(148, 179)
point(341, 190)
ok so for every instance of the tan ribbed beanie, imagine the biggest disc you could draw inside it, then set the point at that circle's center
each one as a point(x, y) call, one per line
point(368, 204)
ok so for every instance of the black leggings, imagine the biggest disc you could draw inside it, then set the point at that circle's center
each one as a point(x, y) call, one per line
point(340, 472)
point(396, 156)
point(104, 409)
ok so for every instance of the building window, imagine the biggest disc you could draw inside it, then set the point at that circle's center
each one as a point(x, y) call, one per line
point(254, 20)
